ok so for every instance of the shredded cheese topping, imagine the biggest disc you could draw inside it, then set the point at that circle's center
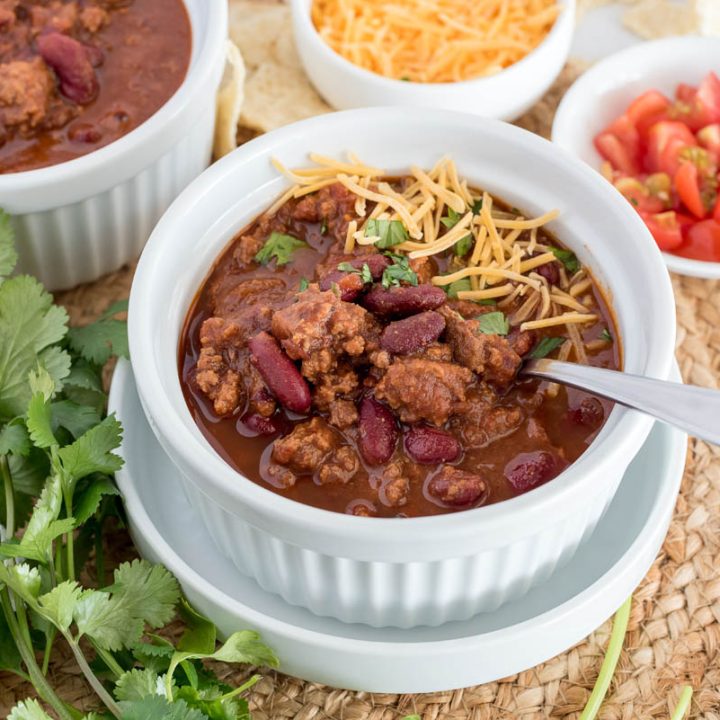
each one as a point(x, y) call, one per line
point(501, 255)
point(434, 41)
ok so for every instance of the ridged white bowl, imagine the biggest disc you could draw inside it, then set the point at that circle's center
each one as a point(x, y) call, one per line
point(504, 96)
point(81, 219)
point(398, 572)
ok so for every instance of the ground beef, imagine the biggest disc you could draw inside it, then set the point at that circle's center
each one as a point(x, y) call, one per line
point(93, 18)
point(396, 479)
point(342, 413)
point(340, 467)
point(342, 381)
point(260, 400)
point(522, 342)
point(490, 356)
point(332, 206)
point(306, 447)
point(420, 389)
point(425, 268)
point(58, 16)
point(320, 328)
point(482, 424)
point(26, 88)
point(219, 365)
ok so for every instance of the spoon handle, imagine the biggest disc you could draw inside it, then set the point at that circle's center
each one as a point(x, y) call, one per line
point(688, 407)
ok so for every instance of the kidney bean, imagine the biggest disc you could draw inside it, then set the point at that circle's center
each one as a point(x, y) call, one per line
point(413, 333)
point(550, 272)
point(375, 262)
point(350, 285)
point(403, 301)
point(589, 413)
point(528, 470)
point(280, 373)
point(430, 446)
point(95, 55)
point(378, 432)
point(84, 133)
point(455, 487)
point(70, 61)
point(255, 424)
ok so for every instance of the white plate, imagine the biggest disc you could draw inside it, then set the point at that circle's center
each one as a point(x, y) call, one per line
point(545, 622)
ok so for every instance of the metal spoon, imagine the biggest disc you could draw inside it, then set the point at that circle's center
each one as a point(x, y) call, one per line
point(688, 407)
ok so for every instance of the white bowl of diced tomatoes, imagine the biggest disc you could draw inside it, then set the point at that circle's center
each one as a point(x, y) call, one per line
point(648, 118)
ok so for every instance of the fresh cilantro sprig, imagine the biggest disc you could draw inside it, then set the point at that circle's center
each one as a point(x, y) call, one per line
point(494, 323)
point(567, 258)
point(279, 246)
point(546, 346)
point(363, 272)
point(57, 457)
point(399, 272)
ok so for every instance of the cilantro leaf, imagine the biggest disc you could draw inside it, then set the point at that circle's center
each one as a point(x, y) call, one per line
point(389, 232)
point(567, 258)
point(200, 634)
point(463, 245)
point(157, 708)
point(92, 452)
point(494, 323)
point(451, 219)
point(324, 226)
point(454, 288)
point(86, 503)
point(56, 363)
point(546, 346)
point(28, 710)
point(58, 605)
point(23, 580)
point(29, 323)
point(400, 271)
point(76, 419)
point(8, 255)
point(153, 656)
point(9, 654)
point(606, 336)
point(98, 341)
point(363, 272)
point(141, 594)
point(477, 206)
point(279, 246)
point(211, 702)
point(303, 284)
point(137, 684)
point(246, 647)
point(39, 422)
point(84, 386)
point(14, 438)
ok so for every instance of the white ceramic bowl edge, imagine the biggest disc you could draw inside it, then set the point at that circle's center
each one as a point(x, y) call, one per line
point(388, 572)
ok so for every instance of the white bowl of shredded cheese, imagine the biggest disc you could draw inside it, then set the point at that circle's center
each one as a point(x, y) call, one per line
point(432, 60)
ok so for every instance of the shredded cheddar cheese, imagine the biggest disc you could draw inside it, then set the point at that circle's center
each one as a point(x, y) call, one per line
point(434, 41)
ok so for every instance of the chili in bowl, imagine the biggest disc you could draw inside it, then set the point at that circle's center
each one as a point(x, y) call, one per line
point(265, 456)
point(107, 111)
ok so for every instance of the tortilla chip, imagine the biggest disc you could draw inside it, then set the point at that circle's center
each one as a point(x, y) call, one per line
point(651, 19)
point(277, 95)
point(256, 26)
point(229, 103)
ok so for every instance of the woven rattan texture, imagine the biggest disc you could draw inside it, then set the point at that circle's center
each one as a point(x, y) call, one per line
point(674, 634)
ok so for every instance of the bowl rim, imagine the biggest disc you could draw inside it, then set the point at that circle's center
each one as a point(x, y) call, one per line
point(303, 23)
point(150, 139)
point(661, 52)
point(219, 480)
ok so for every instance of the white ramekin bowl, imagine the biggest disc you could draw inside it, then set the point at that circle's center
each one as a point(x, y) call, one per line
point(399, 572)
point(605, 91)
point(504, 96)
point(81, 219)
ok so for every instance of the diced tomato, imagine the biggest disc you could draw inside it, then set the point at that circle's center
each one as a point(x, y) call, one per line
point(666, 229)
point(646, 110)
point(639, 195)
point(702, 241)
point(665, 141)
point(702, 108)
point(687, 184)
point(685, 93)
point(709, 138)
point(626, 132)
point(610, 147)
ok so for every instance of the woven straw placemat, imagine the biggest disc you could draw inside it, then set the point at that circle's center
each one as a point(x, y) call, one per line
point(674, 631)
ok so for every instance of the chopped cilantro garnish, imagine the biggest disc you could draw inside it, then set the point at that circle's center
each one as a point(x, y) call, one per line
point(451, 219)
point(280, 247)
point(477, 205)
point(363, 272)
point(567, 258)
point(303, 284)
point(494, 323)
point(324, 226)
point(405, 78)
point(454, 288)
point(462, 246)
point(546, 346)
point(399, 271)
point(606, 336)
point(390, 232)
